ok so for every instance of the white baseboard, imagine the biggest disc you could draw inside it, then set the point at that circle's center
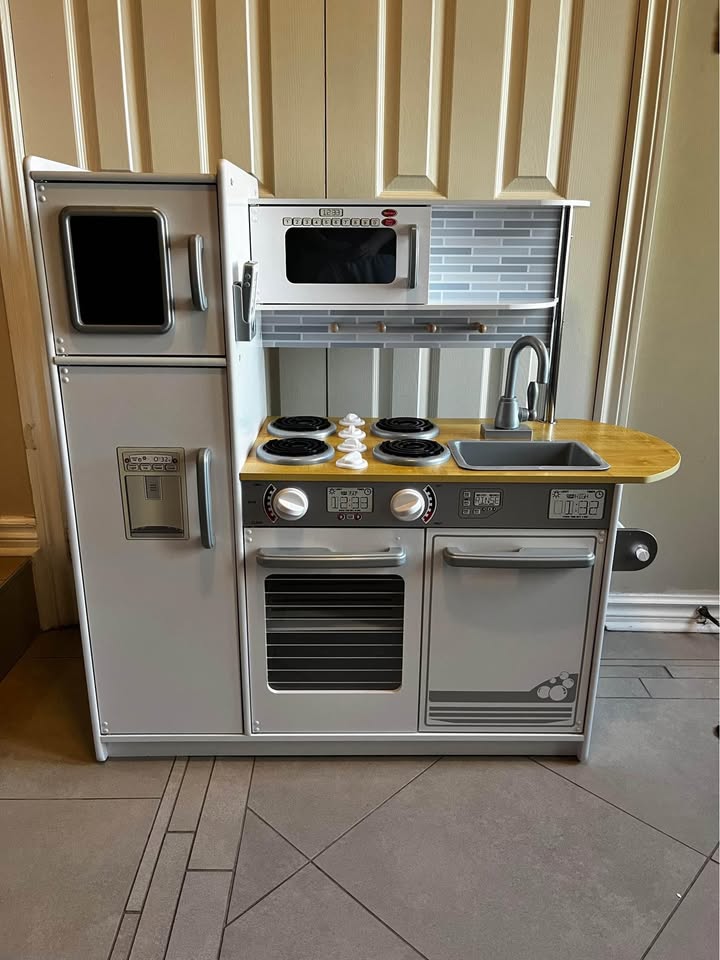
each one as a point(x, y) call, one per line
point(18, 536)
point(666, 612)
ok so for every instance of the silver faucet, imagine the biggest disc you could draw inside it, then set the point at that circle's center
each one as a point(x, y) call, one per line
point(510, 414)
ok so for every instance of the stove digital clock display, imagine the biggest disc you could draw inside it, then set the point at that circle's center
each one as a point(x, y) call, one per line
point(349, 499)
point(487, 499)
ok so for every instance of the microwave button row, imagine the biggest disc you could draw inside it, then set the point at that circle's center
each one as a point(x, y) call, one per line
point(331, 222)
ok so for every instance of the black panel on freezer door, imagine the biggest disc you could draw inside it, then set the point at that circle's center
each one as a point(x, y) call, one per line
point(117, 269)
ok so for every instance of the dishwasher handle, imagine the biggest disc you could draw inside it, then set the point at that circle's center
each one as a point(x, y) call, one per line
point(207, 534)
point(289, 558)
point(523, 558)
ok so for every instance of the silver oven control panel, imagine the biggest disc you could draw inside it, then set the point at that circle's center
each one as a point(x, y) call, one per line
point(576, 504)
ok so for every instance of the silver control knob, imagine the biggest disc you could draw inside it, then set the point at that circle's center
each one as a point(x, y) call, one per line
point(642, 553)
point(290, 503)
point(407, 505)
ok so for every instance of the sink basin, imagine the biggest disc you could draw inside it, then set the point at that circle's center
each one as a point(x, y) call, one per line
point(525, 455)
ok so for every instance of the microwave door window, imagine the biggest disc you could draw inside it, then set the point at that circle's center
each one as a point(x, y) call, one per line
point(340, 255)
point(117, 269)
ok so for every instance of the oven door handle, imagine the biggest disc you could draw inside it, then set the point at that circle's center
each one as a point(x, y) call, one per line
point(204, 490)
point(196, 245)
point(328, 559)
point(412, 257)
point(524, 558)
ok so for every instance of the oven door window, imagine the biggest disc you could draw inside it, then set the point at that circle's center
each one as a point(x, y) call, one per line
point(350, 255)
point(334, 632)
point(117, 267)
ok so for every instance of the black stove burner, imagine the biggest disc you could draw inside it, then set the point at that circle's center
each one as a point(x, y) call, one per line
point(408, 448)
point(301, 424)
point(405, 425)
point(299, 450)
point(295, 447)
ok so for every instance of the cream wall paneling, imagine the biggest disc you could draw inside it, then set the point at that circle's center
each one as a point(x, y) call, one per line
point(172, 85)
point(452, 98)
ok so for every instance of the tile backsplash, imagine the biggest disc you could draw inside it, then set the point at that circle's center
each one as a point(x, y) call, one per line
point(493, 253)
point(488, 255)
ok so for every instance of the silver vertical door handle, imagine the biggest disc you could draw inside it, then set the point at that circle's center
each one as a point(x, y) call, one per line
point(207, 534)
point(412, 257)
point(196, 245)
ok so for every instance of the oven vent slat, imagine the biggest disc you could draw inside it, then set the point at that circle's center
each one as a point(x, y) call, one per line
point(334, 632)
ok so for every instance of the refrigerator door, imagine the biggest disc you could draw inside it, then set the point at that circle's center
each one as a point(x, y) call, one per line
point(152, 491)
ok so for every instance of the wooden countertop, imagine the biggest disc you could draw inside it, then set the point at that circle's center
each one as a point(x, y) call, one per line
point(634, 457)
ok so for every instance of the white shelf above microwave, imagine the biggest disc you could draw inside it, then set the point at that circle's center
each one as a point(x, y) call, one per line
point(376, 308)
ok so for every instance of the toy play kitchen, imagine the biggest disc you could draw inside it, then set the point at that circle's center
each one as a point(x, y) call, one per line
point(303, 584)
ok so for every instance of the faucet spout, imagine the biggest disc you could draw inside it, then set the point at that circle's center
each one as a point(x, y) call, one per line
point(516, 349)
point(510, 414)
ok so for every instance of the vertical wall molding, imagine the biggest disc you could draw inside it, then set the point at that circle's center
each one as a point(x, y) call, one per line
point(53, 574)
point(540, 70)
point(245, 96)
point(642, 165)
point(134, 87)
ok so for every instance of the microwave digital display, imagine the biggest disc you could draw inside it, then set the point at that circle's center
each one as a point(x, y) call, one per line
point(354, 255)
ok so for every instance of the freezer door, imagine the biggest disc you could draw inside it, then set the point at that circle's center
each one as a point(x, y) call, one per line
point(508, 618)
point(133, 269)
point(334, 630)
point(151, 482)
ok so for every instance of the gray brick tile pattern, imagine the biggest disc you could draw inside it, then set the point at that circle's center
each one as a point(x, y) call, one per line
point(198, 926)
point(218, 833)
point(190, 799)
point(158, 913)
point(621, 687)
point(683, 689)
point(147, 864)
point(125, 937)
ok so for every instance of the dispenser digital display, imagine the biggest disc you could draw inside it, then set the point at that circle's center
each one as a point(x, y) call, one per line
point(349, 499)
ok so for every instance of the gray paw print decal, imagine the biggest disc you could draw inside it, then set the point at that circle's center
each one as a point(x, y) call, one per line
point(559, 688)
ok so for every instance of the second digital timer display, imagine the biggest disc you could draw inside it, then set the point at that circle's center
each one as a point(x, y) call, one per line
point(349, 499)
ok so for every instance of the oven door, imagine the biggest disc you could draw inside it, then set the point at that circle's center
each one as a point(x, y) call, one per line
point(334, 630)
point(356, 257)
point(133, 268)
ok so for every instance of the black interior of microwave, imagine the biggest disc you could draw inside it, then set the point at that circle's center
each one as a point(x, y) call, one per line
point(340, 255)
point(117, 269)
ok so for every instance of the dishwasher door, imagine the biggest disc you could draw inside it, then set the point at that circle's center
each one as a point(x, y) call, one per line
point(509, 626)
point(334, 629)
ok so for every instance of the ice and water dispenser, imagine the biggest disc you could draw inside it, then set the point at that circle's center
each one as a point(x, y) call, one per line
point(153, 493)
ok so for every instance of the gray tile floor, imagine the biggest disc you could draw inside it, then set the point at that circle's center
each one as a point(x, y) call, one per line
point(367, 859)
